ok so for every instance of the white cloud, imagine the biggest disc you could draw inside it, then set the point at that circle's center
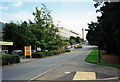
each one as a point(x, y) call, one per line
point(18, 4)
point(3, 8)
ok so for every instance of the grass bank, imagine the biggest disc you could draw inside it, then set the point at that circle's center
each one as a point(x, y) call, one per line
point(93, 57)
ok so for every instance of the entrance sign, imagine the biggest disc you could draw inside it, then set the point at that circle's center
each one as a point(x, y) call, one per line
point(28, 51)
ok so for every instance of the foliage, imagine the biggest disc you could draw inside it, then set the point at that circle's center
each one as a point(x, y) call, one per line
point(47, 53)
point(67, 50)
point(93, 57)
point(7, 58)
point(75, 40)
point(79, 46)
point(38, 54)
point(106, 32)
point(40, 33)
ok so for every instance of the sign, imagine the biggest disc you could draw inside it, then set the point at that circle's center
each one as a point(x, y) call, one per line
point(6, 43)
point(27, 51)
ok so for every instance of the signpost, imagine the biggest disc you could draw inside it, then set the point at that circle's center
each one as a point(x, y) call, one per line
point(28, 51)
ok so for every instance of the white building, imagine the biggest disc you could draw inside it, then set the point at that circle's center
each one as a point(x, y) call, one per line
point(66, 33)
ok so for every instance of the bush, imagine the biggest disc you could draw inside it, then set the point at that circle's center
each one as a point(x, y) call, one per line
point(67, 50)
point(38, 54)
point(64, 51)
point(49, 53)
point(76, 46)
point(7, 58)
point(79, 46)
point(55, 52)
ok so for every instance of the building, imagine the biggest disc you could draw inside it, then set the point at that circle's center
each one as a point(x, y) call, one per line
point(65, 33)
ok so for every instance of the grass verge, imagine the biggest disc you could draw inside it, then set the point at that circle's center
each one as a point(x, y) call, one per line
point(93, 57)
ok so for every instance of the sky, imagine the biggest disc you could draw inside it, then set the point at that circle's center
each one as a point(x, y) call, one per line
point(73, 15)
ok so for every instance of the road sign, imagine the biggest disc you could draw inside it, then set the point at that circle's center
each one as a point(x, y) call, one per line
point(28, 51)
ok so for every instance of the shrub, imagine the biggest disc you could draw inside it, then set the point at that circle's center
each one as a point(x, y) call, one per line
point(49, 53)
point(79, 46)
point(64, 51)
point(38, 54)
point(7, 58)
point(60, 51)
point(75, 46)
point(67, 50)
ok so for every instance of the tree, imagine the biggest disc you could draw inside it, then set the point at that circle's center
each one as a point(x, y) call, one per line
point(106, 34)
point(19, 34)
point(42, 32)
point(47, 33)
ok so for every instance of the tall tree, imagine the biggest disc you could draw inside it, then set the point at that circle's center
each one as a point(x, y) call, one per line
point(107, 32)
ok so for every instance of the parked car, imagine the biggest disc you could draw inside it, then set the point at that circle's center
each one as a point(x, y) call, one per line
point(67, 47)
point(83, 43)
point(2, 52)
point(33, 50)
point(19, 52)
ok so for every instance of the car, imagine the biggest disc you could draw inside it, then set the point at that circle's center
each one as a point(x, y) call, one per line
point(2, 52)
point(67, 47)
point(19, 52)
point(83, 43)
point(33, 50)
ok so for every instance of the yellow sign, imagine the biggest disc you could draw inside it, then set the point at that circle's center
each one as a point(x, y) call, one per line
point(6, 43)
point(27, 50)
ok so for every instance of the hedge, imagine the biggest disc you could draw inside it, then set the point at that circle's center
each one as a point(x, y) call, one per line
point(38, 54)
point(67, 50)
point(10, 59)
point(48, 53)
point(78, 46)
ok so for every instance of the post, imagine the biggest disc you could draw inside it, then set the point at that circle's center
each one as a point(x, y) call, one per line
point(24, 52)
point(99, 53)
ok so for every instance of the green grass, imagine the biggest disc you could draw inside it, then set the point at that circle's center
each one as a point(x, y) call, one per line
point(93, 57)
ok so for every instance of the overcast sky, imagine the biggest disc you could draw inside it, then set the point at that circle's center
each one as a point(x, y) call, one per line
point(73, 15)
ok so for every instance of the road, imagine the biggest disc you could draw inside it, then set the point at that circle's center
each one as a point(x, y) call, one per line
point(71, 62)
point(26, 71)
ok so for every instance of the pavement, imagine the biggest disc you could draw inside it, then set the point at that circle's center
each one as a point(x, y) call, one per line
point(29, 70)
point(26, 60)
point(59, 67)
point(68, 70)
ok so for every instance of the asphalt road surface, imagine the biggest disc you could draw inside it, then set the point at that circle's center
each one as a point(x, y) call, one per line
point(29, 70)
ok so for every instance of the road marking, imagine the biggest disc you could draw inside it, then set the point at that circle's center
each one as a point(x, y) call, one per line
point(46, 72)
point(67, 72)
point(85, 76)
